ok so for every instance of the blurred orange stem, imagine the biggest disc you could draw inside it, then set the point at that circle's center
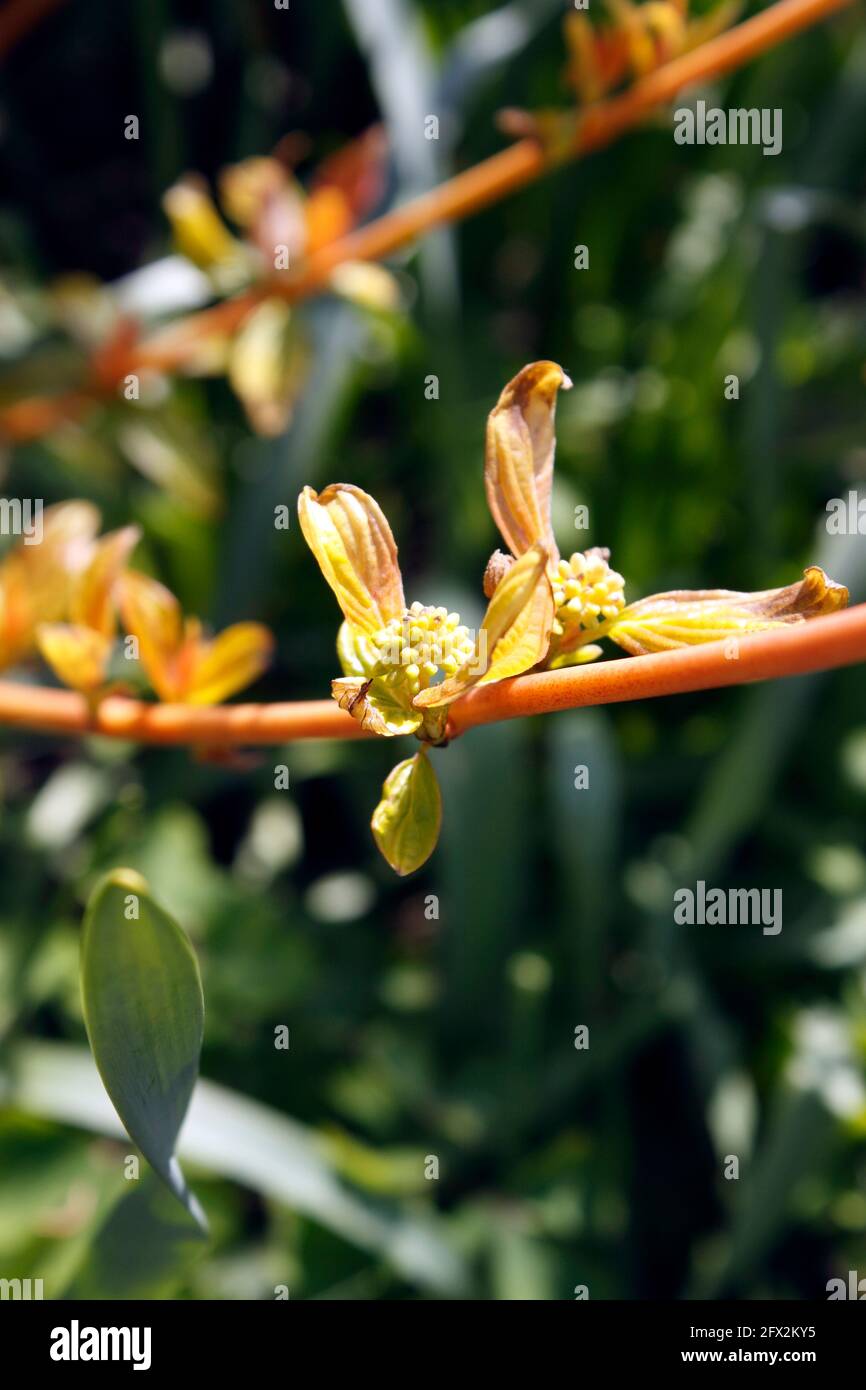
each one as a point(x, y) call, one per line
point(816, 645)
point(459, 197)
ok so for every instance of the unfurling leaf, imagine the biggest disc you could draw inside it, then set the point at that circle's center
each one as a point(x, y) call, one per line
point(640, 38)
point(181, 664)
point(514, 636)
point(579, 656)
point(260, 195)
point(358, 655)
point(266, 366)
point(36, 579)
point(367, 285)
point(79, 651)
point(376, 705)
point(93, 593)
point(78, 655)
point(519, 618)
point(352, 542)
point(144, 1012)
point(518, 467)
point(683, 618)
point(225, 664)
point(406, 822)
point(152, 615)
point(199, 232)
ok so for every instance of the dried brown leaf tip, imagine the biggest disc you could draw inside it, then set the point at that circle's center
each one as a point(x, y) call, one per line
point(682, 618)
point(518, 464)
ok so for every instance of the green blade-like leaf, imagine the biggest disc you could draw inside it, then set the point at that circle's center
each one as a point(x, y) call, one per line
point(166, 1241)
point(144, 1011)
point(250, 1144)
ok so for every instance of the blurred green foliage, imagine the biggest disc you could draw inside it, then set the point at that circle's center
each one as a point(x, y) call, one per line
point(416, 1036)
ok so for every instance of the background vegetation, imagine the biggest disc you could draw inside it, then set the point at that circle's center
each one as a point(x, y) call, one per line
point(453, 1037)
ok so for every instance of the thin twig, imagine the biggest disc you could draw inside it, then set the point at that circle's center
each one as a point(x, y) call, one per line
point(171, 348)
point(816, 645)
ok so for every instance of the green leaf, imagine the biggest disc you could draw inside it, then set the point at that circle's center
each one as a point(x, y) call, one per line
point(406, 822)
point(166, 1241)
point(515, 633)
point(144, 1011)
point(250, 1144)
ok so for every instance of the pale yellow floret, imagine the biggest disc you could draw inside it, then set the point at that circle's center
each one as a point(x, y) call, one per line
point(587, 593)
point(420, 644)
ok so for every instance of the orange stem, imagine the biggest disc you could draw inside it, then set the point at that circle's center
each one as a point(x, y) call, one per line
point(528, 159)
point(457, 198)
point(816, 645)
point(65, 712)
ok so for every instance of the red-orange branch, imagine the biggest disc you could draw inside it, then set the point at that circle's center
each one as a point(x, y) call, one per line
point(527, 160)
point(817, 645)
point(18, 17)
point(170, 348)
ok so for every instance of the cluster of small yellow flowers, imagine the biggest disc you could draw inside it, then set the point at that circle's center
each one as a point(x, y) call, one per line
point(587, 592)
point(421, 643)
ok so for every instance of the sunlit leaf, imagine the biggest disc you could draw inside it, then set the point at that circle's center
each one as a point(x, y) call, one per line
point(406, 822)
point(367, 285)
point(266, 366)
point(515, 633)
point(78, 655)
point(199, 232)
point(144, 1012)
point(92, 601)
point(180, 663)
point(36, 579)
point(260, 195)
point(350, 537)
point(152, 615)
point(683, 618)
point(518, 468)
point(233, 659)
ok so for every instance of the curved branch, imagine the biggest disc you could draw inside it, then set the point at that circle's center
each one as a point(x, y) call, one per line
point(204, 726)
point(817, 645)
point(18, 17)
point(170, 348)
